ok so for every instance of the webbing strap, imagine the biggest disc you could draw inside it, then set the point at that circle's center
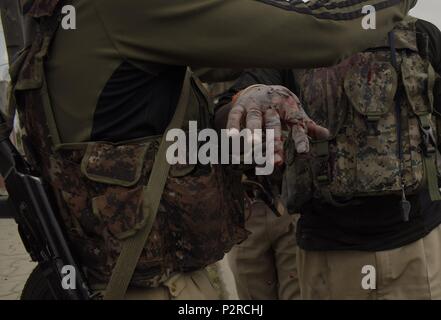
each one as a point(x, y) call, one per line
point(323, 175)
point(428, 143)
point(405, 205)
point(431, 173)
point(429, 157)
point(152, 193)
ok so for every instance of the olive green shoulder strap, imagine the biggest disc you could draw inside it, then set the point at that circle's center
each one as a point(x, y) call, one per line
point(152, 193)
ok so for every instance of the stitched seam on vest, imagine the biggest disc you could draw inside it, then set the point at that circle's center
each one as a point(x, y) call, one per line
point(327, 15)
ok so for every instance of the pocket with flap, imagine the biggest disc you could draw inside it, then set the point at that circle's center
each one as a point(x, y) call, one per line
point(418, 79)
point(371, 88)
point(112, 164)
point(119, 169)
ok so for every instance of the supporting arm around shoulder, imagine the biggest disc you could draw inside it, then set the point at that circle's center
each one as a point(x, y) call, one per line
point(244, 33)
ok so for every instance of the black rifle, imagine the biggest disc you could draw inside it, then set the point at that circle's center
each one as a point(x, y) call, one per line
point(38, 225)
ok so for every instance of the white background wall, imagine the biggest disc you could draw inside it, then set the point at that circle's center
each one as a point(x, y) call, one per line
point(3, 56)
point(429, 10)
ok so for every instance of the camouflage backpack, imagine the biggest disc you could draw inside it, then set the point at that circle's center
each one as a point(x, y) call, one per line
point(378, 106)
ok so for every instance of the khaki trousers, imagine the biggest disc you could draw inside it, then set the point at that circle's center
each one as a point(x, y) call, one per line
point(264, 265)
point(2, 187)
point(410, 272)
point(189, 286)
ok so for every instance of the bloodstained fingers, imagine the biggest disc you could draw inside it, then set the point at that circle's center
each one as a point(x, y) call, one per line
point(291, 112)
point(300, 137)
point(272, 122)
point(316, 131)
point(235, 118)
point(293, 116)
point(254, 120)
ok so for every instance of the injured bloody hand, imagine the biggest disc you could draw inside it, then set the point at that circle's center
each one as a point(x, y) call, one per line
point(274, 107)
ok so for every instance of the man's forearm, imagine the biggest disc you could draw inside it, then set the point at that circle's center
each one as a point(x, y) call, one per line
point(243, 33)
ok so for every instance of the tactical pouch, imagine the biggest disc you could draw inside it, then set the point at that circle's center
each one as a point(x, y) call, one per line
point(119, 167)
point(357, 101)
point(369, 154)
point(197, 210)
point(419, 80)
point(105, 201)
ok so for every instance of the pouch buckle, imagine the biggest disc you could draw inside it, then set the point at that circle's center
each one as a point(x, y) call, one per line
point(372, 126)
point(429, 142)
point(322, 159)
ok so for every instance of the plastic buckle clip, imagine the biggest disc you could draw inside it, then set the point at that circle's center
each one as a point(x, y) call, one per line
point(372, 128)
point(429, 141)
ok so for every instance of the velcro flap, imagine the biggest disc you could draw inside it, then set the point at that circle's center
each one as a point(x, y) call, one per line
point(371, 88)
point(418, 79)
point(112, 164)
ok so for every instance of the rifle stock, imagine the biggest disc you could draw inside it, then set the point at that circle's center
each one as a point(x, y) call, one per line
point(38, 225)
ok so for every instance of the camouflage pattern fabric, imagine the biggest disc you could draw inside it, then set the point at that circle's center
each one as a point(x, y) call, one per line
point(98, 188)
point(355, 100)
point(193, 229)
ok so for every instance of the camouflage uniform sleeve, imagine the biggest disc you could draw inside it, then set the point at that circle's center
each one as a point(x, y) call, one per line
point(244, 33)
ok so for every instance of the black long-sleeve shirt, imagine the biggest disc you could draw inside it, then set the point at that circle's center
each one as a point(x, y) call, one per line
point(374, 224)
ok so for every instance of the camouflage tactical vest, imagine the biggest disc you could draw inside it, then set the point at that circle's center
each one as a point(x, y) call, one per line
point(98, 185)
point(370, 151)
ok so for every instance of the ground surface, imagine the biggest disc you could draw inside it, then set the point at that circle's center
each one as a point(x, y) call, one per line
point(15, 265)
